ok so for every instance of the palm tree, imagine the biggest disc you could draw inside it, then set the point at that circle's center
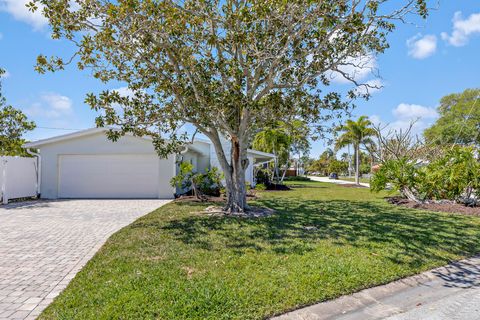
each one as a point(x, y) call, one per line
point(276, 141)
point(355, 133)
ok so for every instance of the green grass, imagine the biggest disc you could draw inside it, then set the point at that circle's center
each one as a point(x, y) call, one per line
point(324, 241)
point(364, 180)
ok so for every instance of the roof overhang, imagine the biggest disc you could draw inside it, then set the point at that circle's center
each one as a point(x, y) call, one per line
point(63, 137)
point(260, 156)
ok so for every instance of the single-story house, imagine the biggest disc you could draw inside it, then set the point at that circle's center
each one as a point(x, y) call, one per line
point(85, 164)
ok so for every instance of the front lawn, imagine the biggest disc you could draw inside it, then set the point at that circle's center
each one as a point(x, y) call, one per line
point(325, 241)
point(363, 180)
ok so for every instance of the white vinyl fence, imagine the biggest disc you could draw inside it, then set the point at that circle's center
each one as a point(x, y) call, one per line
point(18, 178)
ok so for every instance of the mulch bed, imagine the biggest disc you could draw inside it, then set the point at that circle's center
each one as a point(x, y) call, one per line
point(277, 187)
point(185, 198)
point(436, 206)
point(189, 198)
point(252, 212)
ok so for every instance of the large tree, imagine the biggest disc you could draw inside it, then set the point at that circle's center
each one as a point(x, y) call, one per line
point(13, 125)
point(225, 66)
point(459, 121)
point(356, 133)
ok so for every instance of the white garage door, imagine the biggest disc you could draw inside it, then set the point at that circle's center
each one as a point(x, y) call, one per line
point(112, 176)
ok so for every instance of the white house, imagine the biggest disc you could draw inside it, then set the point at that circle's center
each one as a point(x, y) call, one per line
point(85, 164)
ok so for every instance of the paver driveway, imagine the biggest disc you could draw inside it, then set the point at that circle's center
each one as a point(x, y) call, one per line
point(43, 244)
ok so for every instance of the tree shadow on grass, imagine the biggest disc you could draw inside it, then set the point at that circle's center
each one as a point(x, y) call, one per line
point(413, 237)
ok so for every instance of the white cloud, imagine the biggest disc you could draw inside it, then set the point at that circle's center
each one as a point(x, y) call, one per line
point(18, 9)
point(375, 119)
point(404, 114)
point(405, 111)
point(51, 106)
point(58, 103)
point(462, 29)
point(357, 68)
point(422, 47)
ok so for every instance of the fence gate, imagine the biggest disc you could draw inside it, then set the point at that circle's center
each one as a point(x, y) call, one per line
point(18, 178)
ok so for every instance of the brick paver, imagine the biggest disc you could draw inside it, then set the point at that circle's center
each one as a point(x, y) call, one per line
point(43, 244)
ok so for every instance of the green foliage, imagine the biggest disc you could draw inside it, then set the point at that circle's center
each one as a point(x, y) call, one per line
point(453, 176)
point(263, 176)
point(283, 139)
point(13, 125)
point(400, 175)
point(297, 178)
point(356, 133)
point(365, 168)
point(274, 140)
point(184, 177)
point(208, 183)
point(260, 187)
point(337, 166)
point(459, 120)
point(327, 163)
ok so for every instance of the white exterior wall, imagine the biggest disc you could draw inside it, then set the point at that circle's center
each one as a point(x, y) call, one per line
point(204, 158)
point(213, 155)
point(249, 178)
point(18, 177)
point(98, 144)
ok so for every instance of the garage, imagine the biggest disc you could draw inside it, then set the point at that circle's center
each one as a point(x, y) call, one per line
point(110, 176)
point(86, 165)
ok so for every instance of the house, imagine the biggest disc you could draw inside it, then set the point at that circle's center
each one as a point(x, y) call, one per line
point(85, 164)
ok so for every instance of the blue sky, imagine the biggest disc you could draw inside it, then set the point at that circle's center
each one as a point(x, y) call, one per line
point(426, 61)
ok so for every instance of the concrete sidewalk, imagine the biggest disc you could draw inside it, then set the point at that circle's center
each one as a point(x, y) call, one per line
point(451, 292)
point(326, 179)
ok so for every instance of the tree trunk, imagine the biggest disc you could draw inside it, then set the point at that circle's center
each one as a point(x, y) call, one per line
point(284, 174)
point(410, 195)
point(234, 171)
point(237, 193)
point(357, 164)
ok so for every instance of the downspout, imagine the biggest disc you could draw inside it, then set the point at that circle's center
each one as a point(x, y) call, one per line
point(39, 169)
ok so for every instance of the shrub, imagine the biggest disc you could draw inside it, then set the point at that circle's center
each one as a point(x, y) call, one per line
point(297, 178)
point(208, 183)
point(260, 187)
point(402, 175)
point(184, 178)
point(263, 177)
point(455, 175)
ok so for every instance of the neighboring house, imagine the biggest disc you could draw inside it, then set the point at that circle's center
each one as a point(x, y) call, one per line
point(85, 164)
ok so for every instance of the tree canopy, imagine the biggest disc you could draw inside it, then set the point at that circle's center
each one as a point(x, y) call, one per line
point(225, 66)
point(13, 124)
point(459, 121)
